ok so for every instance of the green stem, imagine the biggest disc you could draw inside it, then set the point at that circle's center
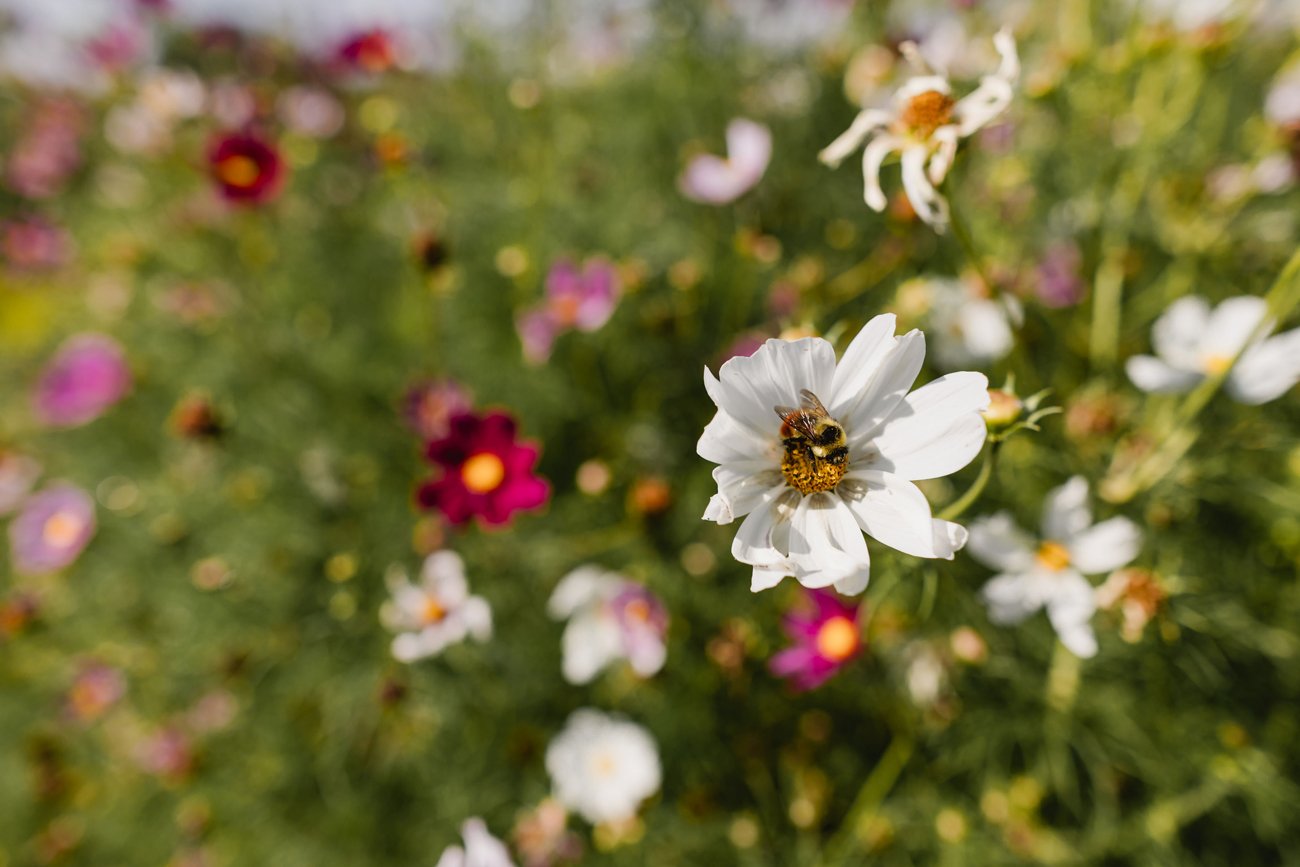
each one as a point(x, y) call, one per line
point(873, 791)
point(954, 509)
point(962, 233)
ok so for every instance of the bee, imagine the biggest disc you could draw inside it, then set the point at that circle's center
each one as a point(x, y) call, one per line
point(810, 427)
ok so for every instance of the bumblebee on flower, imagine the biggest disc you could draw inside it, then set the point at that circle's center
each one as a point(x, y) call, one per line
point(924, 126)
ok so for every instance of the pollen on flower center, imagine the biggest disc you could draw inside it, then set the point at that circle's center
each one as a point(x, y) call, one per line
point(433, 611)
point(926, 112)
point(1053, 556)
point(238, 170)
point(807, 473)
point(837, 639)
point(61, 529)
point(604, 764)
point(638, 609)
point(1215, 363)
point(483, 473)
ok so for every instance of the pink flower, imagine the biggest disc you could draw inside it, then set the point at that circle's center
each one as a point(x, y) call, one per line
point(714, 180)
point(86, 376)
point(166, 753)
point(486, 473)
point(97, 688)
point(609, 618)
point(430, 404)
point(48, 151)
point(825, 638)
point(248, 168)
point(34, 243)
point(575, 299)
point(52, 529)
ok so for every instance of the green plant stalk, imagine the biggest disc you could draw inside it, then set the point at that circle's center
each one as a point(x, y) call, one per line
point(961, 232)
point(873, 792)
point(954, 509)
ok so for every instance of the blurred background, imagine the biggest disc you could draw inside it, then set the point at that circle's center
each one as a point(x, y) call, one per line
point(254, 256)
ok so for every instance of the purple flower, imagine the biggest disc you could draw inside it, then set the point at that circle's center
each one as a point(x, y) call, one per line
point(86, 377)
point(609, 618)
point(52, 529)
point(826, 636)
point(715, 180)
point(1059, 283)
point(581, 299)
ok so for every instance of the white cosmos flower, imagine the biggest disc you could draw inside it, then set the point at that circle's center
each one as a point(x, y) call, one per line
point(481, 849)
point(813, 531)
point(1192, 341)
point(436, 613)
point(602, 767)
point(610, 618)
point(1049, 573)
point(967, 328)
point(924, 126)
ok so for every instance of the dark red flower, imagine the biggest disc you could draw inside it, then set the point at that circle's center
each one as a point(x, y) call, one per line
point(371, 51)
point(486, 473)
point(826, 637)
point(248, 169)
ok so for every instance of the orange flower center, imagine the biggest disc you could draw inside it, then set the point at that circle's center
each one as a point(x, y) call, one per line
point(926, 112)
point(1214, 364)
point(433, 612)
point(837, 639)
point(638, 609)
point(604, 765)
point(238, 170)
point(62, 528)
point(1053, 556)
point(565, 309)
point(483, 473)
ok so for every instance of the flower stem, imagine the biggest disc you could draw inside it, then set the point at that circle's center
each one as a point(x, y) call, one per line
point(954, 509)
point(961, 232)
point(873, 791)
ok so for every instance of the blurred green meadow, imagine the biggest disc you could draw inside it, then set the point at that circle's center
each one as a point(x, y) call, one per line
point(209, 681)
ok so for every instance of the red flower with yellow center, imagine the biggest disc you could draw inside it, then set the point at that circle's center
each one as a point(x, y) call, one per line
point(826, 636)
point(371, 51)
point(248, 168)
point(486, 472)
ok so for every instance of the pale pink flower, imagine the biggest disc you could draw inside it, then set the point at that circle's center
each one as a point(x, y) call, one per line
point(715, 180)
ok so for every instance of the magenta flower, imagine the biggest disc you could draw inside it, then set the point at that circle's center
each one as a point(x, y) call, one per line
point(714, 180)
point(826, 636)
point(486, 473)
point(52, 529)
point(575, 299)
point(86, 376)
point(247, 168)
point(429, 405)
point(372, 52)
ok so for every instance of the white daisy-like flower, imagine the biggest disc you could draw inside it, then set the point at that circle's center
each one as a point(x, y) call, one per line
point(610, 618)
point(481, 849)
point(602, 767)
point(924, 127)
point(1192, 341)
point(968, 328)
point(437, 612)
point(1048, 573)
point(812, 454)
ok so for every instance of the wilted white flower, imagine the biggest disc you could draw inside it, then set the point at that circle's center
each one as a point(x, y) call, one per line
point(481, 849)
point(603, 767)
point(436, 613)
point(924, 126)
point(1192, 342)
point(715, 180)
point(968, 328)
point(610, 618)
point(812, 454)
point(1049, 573)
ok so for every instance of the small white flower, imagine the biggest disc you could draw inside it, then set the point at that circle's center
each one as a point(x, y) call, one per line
point(610, 618)
point(804, 514)
point(714, 180)
point(481, 849)
point(603, 767)
point(1192, 342)
point(436, 613)
point(924, 126)
point(1049, 573)
point(967, 327)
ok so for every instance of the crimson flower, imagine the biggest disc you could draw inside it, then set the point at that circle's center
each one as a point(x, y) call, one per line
point(371, 51)
point(826, 635)
point(486, 472)
point(248, 168)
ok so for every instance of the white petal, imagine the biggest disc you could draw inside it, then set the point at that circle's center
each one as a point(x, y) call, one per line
point(861, 360)
point(851, 139)
point(1065, 510)
point(452, 856)
point(1267, 370)
point(893, 511)
point(873, 157)
point(1079, 639)
point(826, 546)
point(481, 848)
point(727, 441)
point(1010, 598)
point(1177, 334)
point(711, 180)
point(443, 575)
point(749, 147)
point(876, 401)
point(590, 642)
point(1156, 377)
point(921, 84)
point(1232, 324)
point(409, 646)
point(1009, 67)
point(925, 199)
point(937, 429)
point(743, 488)
point(476, 614)
point(997, 542)
point(945, 139)
point(578, 589)
point(765, 578)
point(1070, 607)
point(982, 104)
point(1105, 546)
point(763, 537)
point(750, 387)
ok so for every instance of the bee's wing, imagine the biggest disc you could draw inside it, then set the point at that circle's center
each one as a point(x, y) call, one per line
point(800, 420)
point(809, 402)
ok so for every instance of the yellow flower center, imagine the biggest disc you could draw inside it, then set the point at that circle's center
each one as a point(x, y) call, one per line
point(1053, 556)
point(807, 473)
point(433, 611)
point(62, 529)
point(1216, 363)
point(926, 112)
point(604, 765)
point(837, 639)
point(638, 609)
point(238, 170)
point(483, 473)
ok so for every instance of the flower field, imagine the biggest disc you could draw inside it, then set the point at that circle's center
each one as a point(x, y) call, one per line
point(781, 433)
